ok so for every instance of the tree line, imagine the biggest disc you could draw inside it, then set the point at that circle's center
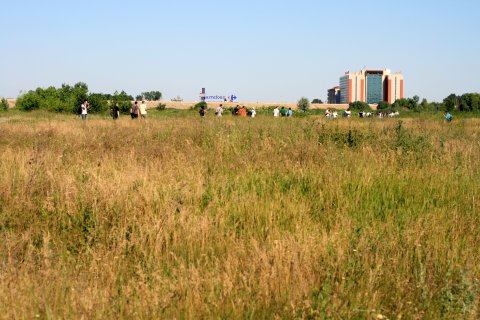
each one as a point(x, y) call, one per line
point(69, 99)
point(468, 102)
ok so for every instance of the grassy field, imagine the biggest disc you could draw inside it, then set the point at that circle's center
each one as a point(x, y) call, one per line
point(182, 217)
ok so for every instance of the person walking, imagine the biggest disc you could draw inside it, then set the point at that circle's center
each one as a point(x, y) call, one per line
point(236, 110)
point(276, 112)
point(134, 111)
point(243, 112)
point(115, 112)
point(219, 111)
point(143, 110)
point(283, 112)
point(84, 108)
point(289, 112)
point(448, 117)
point(253, 112)
point(202, 111)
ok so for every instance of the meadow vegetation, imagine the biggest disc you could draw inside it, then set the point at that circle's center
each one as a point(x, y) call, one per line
point(182, 217)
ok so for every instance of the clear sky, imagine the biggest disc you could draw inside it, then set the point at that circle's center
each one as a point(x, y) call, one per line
point(276, 51)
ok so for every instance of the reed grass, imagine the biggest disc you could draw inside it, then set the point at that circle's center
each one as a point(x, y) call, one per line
point(262, 218)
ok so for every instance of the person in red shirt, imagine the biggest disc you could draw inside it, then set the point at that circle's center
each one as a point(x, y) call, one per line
point(243, 112)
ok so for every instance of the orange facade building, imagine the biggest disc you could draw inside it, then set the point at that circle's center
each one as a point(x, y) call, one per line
point(371, 86)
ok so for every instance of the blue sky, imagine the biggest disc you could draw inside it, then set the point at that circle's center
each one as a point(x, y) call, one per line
point(260, 50)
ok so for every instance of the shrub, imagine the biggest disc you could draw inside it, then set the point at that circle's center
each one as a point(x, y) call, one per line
point(28, 101)
point(303, 104)
point(161, 106)
point(199, 106)
point(384, 106)
point(4, 105)
point(124, 107)
point(359, 106)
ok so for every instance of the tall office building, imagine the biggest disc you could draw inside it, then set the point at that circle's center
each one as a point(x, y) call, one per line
point(334, 95)
point(371, 86)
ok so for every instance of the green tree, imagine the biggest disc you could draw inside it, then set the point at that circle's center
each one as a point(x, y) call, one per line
point(303, 104)
point(317, 101)
point(97, 103)
point(424, 105)
point(124, 101)
point(415, 99)
point(450, 103)
point(4, 105)
point(152, 95)
point(410, 103)
point(79, 93)
point(469, 102)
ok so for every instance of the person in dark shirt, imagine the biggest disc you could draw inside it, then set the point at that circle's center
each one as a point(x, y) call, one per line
point(202, 112)
point(283, 112)
point(134, 112)
point(115, 112)
point(236, 110)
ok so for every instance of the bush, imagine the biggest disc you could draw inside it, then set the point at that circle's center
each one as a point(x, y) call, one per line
point(28, 101)
point(125, 107)
point(384, 106)
point(4, 105)
point(359, 106)
point(303, 104)
point(199, 106)
point(161, 106)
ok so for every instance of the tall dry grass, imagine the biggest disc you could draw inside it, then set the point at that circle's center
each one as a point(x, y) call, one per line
point(239, 218)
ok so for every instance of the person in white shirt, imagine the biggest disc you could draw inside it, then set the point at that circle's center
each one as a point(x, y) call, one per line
point(335, 114)
point(253, 112)
point(276, 112)
point(327, 113)
point(84, 108)
point(143, 110)
point(219, 111)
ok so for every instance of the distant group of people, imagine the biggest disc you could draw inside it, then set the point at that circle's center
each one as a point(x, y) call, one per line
point(237, 111)
point(141, 110)
point(243, 111)
point(282, 112)
point(332, 115)
point(388, 114)
point(135, 111)
point(362, 114)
